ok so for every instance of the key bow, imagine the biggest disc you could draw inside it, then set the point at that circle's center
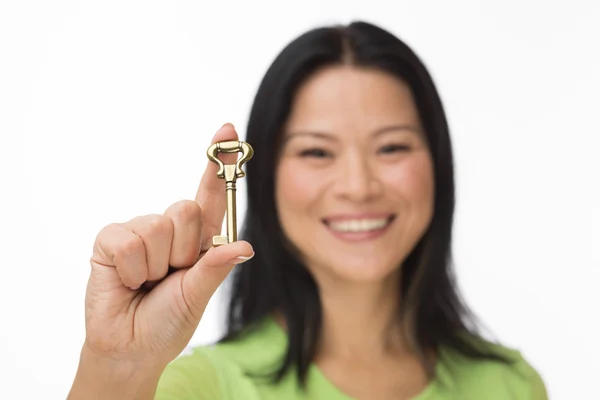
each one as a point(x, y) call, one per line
point(234, 146)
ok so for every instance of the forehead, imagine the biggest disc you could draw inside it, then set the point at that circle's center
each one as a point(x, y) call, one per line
point(348, 97)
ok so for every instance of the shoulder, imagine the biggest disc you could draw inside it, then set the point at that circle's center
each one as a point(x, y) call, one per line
point(189, 376)
point(204, 373)
point(223, 370)
point(514, 379)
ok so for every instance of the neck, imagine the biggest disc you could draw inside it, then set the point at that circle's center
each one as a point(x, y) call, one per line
point(360, 320)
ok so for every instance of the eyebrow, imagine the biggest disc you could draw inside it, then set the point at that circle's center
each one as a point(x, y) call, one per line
point(378, 132)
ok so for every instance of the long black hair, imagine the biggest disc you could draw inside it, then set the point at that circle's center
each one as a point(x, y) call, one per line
point(431, 309)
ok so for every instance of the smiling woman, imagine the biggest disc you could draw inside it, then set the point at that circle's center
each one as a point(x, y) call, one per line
point(354, 180)
point(350, 293)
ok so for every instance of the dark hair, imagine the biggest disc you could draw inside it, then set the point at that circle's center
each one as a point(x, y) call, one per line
point(275, 280)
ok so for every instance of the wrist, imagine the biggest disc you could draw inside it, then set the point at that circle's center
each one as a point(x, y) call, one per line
point(102, 377)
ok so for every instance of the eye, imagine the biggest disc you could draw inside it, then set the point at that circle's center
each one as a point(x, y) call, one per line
point(315, 153)
point(394, 148)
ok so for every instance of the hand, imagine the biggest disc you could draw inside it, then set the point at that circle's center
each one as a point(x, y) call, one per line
point(134, 309)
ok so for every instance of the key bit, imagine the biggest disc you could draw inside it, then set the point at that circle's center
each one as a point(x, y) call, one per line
point(230, 173)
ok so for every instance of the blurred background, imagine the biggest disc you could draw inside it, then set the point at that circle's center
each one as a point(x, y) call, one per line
point(107, 108)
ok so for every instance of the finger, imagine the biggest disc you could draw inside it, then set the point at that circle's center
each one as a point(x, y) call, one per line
point(202, 280)
point(156, 232)
point(122, 249)
point(211, 190)
point(187, 229)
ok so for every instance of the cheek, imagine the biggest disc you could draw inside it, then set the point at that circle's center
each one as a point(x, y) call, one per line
point(414, 181)
point(294, 194)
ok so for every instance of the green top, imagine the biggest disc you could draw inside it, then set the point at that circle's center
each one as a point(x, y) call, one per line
point(220, 372)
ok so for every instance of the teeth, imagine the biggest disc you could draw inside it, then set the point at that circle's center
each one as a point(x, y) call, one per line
point(359, 225)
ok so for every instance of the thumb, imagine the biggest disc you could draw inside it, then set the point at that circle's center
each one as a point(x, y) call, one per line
point(202, 280)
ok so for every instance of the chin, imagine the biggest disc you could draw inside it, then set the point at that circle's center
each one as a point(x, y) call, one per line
point(359, 269)
point(366, 261)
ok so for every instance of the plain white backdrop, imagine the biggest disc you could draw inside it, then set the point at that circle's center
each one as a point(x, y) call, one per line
point(107, 108)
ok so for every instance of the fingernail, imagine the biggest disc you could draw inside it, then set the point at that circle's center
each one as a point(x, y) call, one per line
point(242, 259)
point(227, 123)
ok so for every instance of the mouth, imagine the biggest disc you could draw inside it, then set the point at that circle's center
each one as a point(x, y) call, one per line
point(360, 227)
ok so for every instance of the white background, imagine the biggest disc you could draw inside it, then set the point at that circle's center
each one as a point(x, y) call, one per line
point(107, 108)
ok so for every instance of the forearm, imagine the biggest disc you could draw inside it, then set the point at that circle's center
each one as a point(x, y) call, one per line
point(101, 379)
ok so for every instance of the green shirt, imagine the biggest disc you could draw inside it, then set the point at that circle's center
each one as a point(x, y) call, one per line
point(219, 372)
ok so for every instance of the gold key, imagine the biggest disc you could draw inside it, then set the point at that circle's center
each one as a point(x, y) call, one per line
point(230, 172)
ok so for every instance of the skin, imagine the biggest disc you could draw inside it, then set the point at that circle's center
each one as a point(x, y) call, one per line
point(354, 144)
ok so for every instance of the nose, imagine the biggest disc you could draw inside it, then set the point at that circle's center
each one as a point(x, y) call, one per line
point(357, 179)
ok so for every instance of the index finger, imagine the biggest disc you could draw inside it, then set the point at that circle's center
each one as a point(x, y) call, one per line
point(211, 190)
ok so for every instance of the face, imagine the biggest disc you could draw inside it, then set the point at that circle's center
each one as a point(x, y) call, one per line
point(354, 178)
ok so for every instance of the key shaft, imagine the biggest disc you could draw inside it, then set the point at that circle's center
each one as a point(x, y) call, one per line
point(230, 188)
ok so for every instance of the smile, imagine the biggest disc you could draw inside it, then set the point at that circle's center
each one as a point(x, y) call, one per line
point(354, 229)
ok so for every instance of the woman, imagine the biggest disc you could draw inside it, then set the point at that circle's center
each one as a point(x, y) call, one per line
point(346, 289)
